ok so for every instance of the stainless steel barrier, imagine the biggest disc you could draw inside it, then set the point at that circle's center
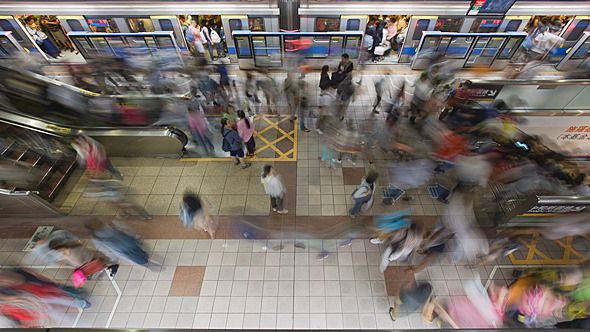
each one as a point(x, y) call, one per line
point(25, 204)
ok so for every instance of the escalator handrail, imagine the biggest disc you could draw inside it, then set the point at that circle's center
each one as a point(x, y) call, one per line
point(564, 200)
point(18, 192)
point(57, 129)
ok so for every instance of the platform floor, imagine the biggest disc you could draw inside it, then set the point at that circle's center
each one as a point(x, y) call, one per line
point(232, 283)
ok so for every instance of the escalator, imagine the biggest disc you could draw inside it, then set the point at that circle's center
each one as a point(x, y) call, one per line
point(39, 119)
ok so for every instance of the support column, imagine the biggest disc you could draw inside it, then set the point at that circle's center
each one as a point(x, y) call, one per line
point(289, 15)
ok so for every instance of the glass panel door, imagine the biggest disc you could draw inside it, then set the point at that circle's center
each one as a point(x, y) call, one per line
point(582, 51)
point(458, 47)
point(352, 46)
point(85, 47)
point(8, 49)
point(484, 51)
point(267, 51)
point(117, 45)
point(320, 47)
point(102, 46)
point(336, 45)
point(510, 48)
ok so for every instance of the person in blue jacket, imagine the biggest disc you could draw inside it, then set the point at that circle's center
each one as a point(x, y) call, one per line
point(232, 143)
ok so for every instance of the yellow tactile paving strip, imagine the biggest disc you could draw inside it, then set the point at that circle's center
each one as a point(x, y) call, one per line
point(269, 123)
point(570, 255)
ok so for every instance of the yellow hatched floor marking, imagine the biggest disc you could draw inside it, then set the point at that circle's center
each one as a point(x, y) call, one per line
point(273, 122)
point(570, 255)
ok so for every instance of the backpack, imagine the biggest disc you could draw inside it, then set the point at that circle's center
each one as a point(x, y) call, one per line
point(202, 36)
point(215, 37)
point(225, 146)
point(189, 35)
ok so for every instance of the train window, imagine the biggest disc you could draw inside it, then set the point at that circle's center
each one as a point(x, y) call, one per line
point(165, 43)
point(75, 25)
point(485, 25)
point(421, 26)
point(140, 24)
point(327, 24)
point(513, 25)
point(448, 24)
point(166, 24)
point(578, 30)
point(352, 46)
point(353, 24)
point(256, 23)
point(243, 47)
point(235, 24)
point(99, 24)
point(510, 48)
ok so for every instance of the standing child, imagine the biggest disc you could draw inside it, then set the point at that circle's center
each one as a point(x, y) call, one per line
point(274, 187)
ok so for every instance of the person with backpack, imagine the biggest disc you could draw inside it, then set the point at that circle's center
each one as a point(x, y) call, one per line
point(232, 143)
point(207, 38)
point(195, 213)
point(364, 193)
point(273, 187)
point(218, 38)
point(93, 155)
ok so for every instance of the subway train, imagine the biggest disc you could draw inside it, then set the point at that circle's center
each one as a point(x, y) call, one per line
point(290, 15)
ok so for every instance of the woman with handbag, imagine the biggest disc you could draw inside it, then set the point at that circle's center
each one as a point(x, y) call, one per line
point(41, 39)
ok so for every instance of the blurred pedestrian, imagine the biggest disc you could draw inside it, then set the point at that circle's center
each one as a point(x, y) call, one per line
point(195, 213)
point(274, 188)
point(92, 154)
point(199, 128)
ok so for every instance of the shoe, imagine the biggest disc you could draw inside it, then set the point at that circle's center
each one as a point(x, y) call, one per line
point(321, 161)
point(236, 163)
point(113, 269)
point(306, 130)
point(322, 255)
point(246, 165)
point(351, 162)
point(391, 314)
point(345, 243)
point(337, 161)
point(299, 245)
point(264, 248)
point(283, 211)
point(376, 240)
point(375, 112)
point(319, 131)
point(274, 209)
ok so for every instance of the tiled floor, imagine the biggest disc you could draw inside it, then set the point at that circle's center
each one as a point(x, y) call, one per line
point(232, 283)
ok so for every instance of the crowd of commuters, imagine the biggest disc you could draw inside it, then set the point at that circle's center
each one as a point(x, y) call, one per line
point(438, 122)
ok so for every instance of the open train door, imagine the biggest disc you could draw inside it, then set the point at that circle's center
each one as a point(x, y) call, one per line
point(170, 23)
point(20, 34)
point(231, 23)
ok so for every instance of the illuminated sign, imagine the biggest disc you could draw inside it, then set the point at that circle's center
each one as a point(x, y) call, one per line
point(490, 7)
point(58, 129)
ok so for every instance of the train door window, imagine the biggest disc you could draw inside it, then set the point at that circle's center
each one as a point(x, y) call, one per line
point(485, 25)
point(327, 24)
point(235, 24)
point(582, 51)
point(513, 25)
point(99, 24)
point(256, 23)
point(458, 47)
point(578, 30)
point(166, 24)
point(336, 45)
point(421, 26)
point(75, 25)
point(444, 44)
point(448, 24)
point(243, 47)
point(353, 24)
point(140, 24)
point(352, 46)
point(510, 48)
point(164, 43)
